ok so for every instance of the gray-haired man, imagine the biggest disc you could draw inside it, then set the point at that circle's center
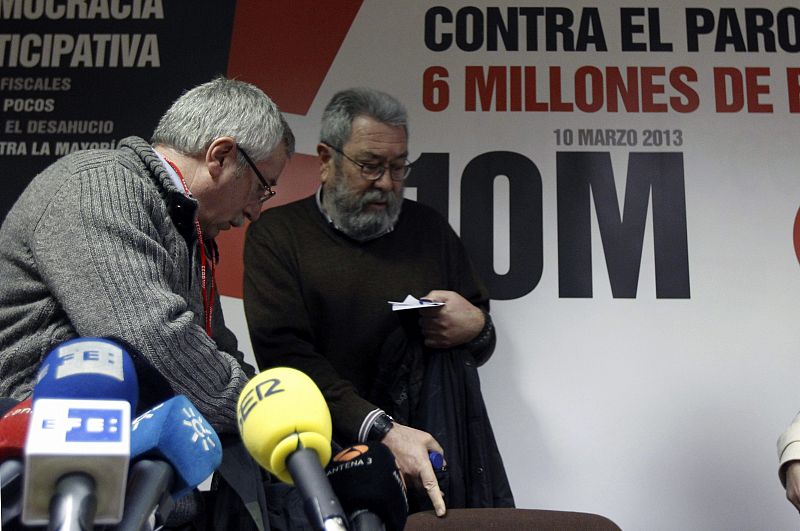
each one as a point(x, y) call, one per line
point(120, 243)
point(318, 275)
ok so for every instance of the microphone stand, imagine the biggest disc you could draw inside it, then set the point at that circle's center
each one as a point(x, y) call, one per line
point(74, 504)
point(148, 488)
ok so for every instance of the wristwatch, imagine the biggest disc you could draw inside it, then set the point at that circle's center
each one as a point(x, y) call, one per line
point(380, 427)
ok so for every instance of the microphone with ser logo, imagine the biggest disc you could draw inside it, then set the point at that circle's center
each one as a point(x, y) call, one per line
point(286, 426)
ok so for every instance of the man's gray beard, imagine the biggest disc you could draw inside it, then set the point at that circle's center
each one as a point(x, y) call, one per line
point(346, 209)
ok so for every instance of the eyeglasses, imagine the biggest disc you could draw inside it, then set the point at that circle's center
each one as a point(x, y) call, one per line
point(266, 189)
point(373, 172)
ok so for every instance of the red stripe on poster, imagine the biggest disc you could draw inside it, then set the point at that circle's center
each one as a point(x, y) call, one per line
point(303, 174)
point(797, 235)
point(287, 48)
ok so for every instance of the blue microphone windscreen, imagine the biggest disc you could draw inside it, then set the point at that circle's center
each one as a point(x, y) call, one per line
point(88, 368)
point(177, 433)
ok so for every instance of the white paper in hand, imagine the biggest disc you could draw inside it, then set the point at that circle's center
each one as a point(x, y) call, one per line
point(412, 303)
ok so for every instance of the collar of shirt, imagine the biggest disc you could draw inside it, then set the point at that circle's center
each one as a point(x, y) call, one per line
point(172, 175)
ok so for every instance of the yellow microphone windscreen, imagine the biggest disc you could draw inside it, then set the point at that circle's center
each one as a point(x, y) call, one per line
point(279, 411)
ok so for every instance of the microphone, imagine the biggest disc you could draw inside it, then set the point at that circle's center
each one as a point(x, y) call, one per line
point(286, 426)
point(175, 449)
point(88, 368)
point(78, 443)
point(13, 430)
point(370, 487)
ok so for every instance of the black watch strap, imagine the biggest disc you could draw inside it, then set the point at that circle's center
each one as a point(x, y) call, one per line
point(380, 427)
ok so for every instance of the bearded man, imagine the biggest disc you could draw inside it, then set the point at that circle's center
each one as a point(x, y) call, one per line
point(318, 275)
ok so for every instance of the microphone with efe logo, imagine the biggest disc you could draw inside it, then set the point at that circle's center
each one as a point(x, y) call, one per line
point(78, 444)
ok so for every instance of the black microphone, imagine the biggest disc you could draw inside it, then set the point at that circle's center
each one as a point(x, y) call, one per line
point(148, 486)
point(367, 481)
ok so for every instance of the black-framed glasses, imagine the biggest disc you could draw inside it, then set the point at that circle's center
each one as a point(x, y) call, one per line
point(373, 172)
point(266, 189)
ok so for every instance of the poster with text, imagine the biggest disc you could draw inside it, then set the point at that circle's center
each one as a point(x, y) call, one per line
point(625, 176)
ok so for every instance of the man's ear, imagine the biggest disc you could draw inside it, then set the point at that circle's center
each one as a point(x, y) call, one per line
point(220, 154)
point(326, 162)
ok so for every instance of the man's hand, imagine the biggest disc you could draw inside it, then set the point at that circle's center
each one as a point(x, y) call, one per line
point(410, 447)
point(453, 324)
point(793, 483)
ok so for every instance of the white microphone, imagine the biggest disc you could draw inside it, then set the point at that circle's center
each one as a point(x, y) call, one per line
point(78, 445)
point(76, 450)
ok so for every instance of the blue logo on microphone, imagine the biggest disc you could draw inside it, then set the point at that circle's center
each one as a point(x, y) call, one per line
point(94, 425)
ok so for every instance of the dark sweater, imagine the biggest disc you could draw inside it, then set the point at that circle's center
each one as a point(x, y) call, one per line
point(316, 300)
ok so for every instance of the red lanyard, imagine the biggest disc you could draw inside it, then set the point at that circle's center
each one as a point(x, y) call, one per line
point(207, 283)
